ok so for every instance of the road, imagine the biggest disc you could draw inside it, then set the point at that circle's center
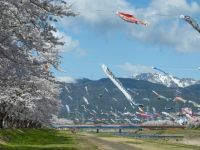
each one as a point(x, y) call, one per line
point(108, 144)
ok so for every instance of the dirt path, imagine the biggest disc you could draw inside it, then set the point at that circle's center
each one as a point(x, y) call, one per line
point(106, 144)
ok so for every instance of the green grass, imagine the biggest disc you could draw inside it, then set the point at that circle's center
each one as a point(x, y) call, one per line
point(40, 139)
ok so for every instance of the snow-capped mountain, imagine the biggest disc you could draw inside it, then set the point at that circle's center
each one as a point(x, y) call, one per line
point(167, 80)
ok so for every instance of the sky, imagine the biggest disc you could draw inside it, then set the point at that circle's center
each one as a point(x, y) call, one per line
point(98, 36)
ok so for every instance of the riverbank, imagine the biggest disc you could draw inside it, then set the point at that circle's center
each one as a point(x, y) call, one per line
point(50, 139)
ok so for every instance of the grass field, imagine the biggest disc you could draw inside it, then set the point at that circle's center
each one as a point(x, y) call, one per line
point(41, 139)
point(50, 139)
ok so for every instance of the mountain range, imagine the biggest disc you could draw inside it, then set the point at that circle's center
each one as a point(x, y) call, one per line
point(99, 100)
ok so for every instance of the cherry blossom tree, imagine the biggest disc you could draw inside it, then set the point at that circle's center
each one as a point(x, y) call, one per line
point(28, 51)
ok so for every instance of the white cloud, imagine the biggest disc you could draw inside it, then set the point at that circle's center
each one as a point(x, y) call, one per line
point(66, 79)
point(100, 14)
point(70, 45)
point(169, 31)
point(134, 69)
point(166, 31)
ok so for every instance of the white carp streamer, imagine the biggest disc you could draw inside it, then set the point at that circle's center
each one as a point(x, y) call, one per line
point(86, 101)
point(167, 114)
point(67, 107)
point(117, 83)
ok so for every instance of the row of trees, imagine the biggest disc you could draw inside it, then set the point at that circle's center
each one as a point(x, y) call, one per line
point(28, 51)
